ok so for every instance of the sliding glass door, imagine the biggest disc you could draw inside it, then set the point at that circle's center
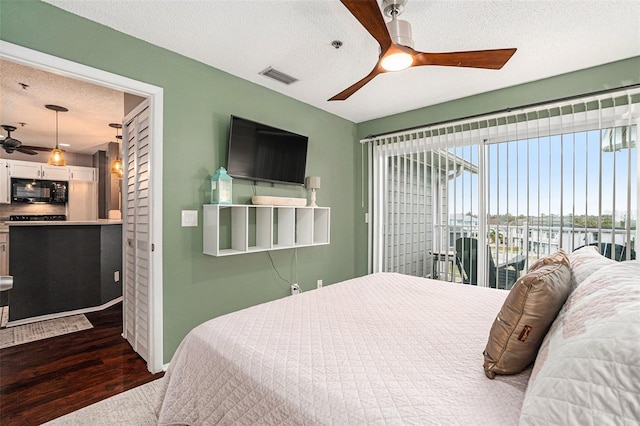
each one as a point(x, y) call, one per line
point(478, 201)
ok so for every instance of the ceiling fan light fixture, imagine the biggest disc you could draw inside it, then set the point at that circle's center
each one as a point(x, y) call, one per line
point(400, 32)
point(396, 45)
point(397, 61)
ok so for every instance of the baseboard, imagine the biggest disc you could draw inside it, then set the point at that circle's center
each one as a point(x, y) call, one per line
point(64, 314)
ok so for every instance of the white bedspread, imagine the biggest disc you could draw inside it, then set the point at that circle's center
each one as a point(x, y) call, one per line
point(380, 349)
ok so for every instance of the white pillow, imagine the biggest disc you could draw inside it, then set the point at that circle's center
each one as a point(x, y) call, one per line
point(584, 262)
point(587, 371)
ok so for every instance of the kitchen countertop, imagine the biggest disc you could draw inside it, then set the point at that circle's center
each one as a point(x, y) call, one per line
point(62, 222)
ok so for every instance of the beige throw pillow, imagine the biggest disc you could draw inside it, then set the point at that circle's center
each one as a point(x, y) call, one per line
point(526, 315)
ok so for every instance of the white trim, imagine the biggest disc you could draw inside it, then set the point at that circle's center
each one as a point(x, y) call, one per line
point(66, 68)
point(637, 123)
point(53, 64)
point(482, 216)
point(64, 314)
point(165, 367)
point(368, 215)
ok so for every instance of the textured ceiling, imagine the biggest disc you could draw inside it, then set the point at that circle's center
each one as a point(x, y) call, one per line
point(244, 37)
point(85, 126)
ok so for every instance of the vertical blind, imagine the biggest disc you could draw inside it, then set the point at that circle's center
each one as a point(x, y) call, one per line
point(525, 183)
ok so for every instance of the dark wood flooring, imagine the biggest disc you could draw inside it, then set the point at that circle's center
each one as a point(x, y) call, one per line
point(43, 380)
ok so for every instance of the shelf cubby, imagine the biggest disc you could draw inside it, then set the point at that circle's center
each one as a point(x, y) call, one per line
point(238, 228)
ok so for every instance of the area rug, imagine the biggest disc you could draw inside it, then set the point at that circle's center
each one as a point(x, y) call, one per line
point(26, 333)
point(133, 407)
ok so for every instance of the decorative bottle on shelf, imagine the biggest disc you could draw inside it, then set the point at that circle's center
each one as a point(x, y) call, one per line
point(221, 186)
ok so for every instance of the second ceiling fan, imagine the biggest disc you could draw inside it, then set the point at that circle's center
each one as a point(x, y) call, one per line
point(11, 145)
point(396, 45)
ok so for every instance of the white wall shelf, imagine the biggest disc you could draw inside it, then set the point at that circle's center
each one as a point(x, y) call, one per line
point(242, 228)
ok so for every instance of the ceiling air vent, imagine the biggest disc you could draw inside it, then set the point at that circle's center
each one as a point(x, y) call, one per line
point(278, 75)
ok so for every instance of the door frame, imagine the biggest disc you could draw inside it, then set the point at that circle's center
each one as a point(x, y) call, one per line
point(43, 61)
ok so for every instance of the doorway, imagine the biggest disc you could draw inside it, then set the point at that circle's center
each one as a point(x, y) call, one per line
point(154, 95)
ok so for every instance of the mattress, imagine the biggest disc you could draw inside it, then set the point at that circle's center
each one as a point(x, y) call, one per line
point(380, 349)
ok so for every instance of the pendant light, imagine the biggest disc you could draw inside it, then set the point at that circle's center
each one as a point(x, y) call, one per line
point(116, 166)
point(56, 158)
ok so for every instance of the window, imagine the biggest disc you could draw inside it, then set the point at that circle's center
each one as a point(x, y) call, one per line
point(521, 185)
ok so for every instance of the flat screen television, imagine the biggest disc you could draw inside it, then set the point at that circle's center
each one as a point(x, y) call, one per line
point(263, 153)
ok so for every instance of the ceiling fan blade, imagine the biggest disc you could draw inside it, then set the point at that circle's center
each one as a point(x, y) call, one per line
point(26, 150)
point(357, 86)
point(489, 59)
point(39, 148)
point(370, 17)
point(11, 143)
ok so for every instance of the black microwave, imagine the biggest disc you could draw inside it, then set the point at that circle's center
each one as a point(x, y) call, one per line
point(39, 191)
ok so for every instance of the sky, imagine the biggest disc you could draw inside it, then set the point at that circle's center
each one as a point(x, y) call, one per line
point(558, 181)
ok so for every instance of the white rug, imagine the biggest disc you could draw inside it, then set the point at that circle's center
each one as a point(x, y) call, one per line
point(20, 334)
point(133, 407)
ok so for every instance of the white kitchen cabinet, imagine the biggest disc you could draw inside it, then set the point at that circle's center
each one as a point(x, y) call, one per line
point(54, 172)
point(32, 170)
point(242, 228)
point(25, 169)
point(4, 253)
point(82, 173)
point(5, 182)
point(83, 200)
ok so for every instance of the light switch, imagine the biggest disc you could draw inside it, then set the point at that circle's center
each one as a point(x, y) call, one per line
point(189, 218)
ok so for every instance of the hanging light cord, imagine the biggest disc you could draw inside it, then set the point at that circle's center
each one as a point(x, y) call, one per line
point(57, 130)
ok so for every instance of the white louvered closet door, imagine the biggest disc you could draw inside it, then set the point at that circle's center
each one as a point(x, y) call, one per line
point(137, 241)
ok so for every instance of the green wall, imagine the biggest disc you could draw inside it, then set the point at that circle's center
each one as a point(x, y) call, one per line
point(198, 100)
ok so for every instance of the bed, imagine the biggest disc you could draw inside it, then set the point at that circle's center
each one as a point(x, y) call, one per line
point(394, 349)
point(380, 349)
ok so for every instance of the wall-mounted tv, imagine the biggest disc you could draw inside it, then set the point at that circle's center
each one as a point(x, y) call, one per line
point(263, 153)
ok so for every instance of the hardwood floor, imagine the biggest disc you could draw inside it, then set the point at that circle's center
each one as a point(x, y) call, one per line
point(46, 379)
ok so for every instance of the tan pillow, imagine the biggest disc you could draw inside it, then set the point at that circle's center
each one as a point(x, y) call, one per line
point(526, 315)
point(552, 259)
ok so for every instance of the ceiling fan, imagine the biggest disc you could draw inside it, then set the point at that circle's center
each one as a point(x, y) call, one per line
point(396, 45)
point(11, 145)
